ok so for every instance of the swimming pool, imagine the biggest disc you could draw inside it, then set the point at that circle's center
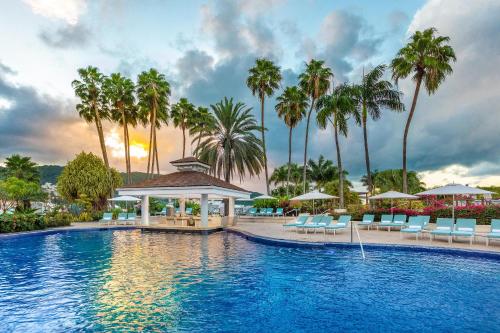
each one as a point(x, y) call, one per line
point(132, 280)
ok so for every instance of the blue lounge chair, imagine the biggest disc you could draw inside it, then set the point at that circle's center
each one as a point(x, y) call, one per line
point(163, 212)
point(444, 227)
point(399, 221)
point(189, 211)
point(465, 228)
point(316, 219)
point(252, 211)
point(279, 212)
point(494, 231)
point(262, 212)
point(415, 226)
point(385, 221)
point(341, 224)
point(107, 217)
point(131, 217)
point(300, 221)
point(425, 219)
point(323, 223)
point(269, 211)
point(368, 220)
point(177, 211)
point(122, 218)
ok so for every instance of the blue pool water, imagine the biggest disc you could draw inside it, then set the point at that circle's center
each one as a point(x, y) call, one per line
point(111, 281)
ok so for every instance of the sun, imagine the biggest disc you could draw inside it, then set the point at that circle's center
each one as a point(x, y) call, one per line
point(113, 141)
point(138, 150)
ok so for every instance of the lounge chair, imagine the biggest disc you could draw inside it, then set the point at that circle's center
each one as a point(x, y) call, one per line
point(494, 231)
point(279, 212)
point(425, 219)
point(262, 212)
point(341, 224)
point(415, 226)
point(385, 221)
point(269, 211)
point(189, 211)
point(323, 223)
point(163, 212)
point(444, 227)
point(131, 217)
point(368, 220)
point(107, 217)
point(252, 211)
point(122, 218)
point(399, 221)
point(299, 221)
point(177, 211)
point(465, 228)
point(316, 219)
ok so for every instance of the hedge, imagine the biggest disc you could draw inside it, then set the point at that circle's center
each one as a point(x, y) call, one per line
point(20, 221)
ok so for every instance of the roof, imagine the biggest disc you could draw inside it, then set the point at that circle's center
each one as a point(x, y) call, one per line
point(189, 159)
point(185, 178)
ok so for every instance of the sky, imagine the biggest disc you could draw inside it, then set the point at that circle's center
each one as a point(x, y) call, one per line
point(205, 49)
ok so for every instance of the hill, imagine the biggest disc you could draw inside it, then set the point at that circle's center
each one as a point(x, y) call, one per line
point(49, 174)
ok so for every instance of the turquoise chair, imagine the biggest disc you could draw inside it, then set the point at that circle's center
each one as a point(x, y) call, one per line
point(316, 219)
point(299, 221)
point(341, 224)
point(177, 211)
point(252, 211)
point(415, 226)
point(131, 217)
point(368, 220)
point(465, 228)
point(385, 221)
point(107, 217)
point(494, 231)
point(122, 218)
point(444, 227)
point(323, 223)
point(262, 212)
point(399, 220)
point(269, 211)
point(163, 212)
point(279, 212)
point(425, 219)
point(189, 211)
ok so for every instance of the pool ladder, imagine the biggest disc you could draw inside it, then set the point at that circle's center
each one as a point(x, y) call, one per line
point(360, 242)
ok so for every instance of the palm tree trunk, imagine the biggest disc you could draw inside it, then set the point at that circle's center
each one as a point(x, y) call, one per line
point(289, 160)
point(183, 141)
point(199, 140)
point(264, 140)
point(305, 146)
point(150, 149)
point(156, 155)
point(125, 146)
point(100, 133)
point(339, 166)
point(129, 164)
point(407, 128)
point(367, 155)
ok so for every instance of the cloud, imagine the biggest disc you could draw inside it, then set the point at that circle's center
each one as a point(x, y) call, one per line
point(66, 10)
point(397, 20)
point(77, 35)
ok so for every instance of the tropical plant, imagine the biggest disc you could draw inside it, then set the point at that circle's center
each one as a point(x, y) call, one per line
point(119, 92)
point(428, 59)
point(183, 115)
point(264, 78)
point(321, 171)
point(87, 176)
point(93, 104)
point(18, 193)
point(231, 146)
point(291, 107)
point(203, 122)
point(153, 93)
point(314, 81)
point(279, 175)
point(373, 94)
point(336, 108)
point(392, 180)
point(22, 167)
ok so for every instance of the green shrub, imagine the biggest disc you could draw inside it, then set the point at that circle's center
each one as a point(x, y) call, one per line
point(265, 203)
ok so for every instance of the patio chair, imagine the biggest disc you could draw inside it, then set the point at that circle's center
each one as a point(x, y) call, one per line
point(322, 223)
point(269, 211)
point(341, 224)
point(368, 220)
point(279, 212)
point(399, 220)
point(163, 212)
point(262, 212)
point(316, 219)
point(131, 217)
point(444, 227)
point(122, 218)
point(189, 211)
point(385, 221)
point(107, 217)
point(299, 221)
point(425, 219)
point(252, 211)
point(494, 233)
point(415, 226)
point(465, 228)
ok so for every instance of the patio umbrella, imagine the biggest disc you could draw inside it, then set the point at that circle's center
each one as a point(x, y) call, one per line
point(314, 195)
point(454, 189)
point(126, 199)
point(393, 195)
point(264, 197)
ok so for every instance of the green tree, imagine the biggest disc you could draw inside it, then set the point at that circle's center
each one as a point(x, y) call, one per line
point(336, 109)
point(183, 115)
point(87, 176)
point(153, 92)
point(428, 59)
point(22, 167)
point(373, 94)
point(392, 180)
point(231, 146)
point(321, 171)
point(93, 104)
point(119, 92)
point(264, 78)
point(19, 193)
point(203, 122)
point(279, 175)
point(291, 107)
point(314, 81)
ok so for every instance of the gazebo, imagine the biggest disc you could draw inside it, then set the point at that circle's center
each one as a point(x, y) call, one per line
point(190, 181)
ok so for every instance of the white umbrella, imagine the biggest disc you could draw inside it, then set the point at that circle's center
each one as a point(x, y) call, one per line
point(393, 195)
point(314, 195)
point(126, 199)
point(264, 197)
point(454, 189)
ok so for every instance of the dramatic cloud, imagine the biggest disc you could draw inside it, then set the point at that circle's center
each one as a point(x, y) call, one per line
point(77, 35)
point(67, 10)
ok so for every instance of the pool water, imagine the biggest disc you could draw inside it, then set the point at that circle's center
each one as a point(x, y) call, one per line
point(112, 281)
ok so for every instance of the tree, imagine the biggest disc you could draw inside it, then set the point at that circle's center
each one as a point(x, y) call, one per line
point(87, 176)
point(427, 58)
point(22, 167)
point(203, 122)
point(16, 192)
point(153, 92)
point(291, 107)
point(93, 104)
point(264, 78)
point(321, 171)
point(279, 176)
point(372, 95)
point(336, 109)
point(119, 92)
point(183, 115)
point(314, 81)
point(392, 180)
point(231, 146)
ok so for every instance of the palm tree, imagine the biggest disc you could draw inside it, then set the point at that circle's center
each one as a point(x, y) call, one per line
point(93, 105)
point(321, 171)
point(22, 167)
point(336, 109)
point(153, 92)
point(428, 59)
point(183, 114)
point(119, 92)
point(392, 179)
point(374, 94)
point(263, 80)
point(279, 176)
point(203, 122)
point(315, 82)
point(291, 108)
point(231, 146)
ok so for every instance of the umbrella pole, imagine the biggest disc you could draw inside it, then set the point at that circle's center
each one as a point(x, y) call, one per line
point(453, 207)
point(391, 207)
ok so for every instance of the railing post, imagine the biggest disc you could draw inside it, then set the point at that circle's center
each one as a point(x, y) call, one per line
point(351, 230)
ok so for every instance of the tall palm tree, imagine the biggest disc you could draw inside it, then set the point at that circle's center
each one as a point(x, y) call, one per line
point(428, 59)
point(22, 167)
point(291, 108)
point(203, 122)
point(231, 146)
point(279, 176)
point(264, 78)
point(336, 109)
point(153, 92)
point(315, 81)
point(183, 114)
point(374, 94)
point(321, 171)
point(119, 92)
point(93, 105)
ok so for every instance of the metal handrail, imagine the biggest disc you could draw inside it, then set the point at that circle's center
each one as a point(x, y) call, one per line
point(360, 242)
